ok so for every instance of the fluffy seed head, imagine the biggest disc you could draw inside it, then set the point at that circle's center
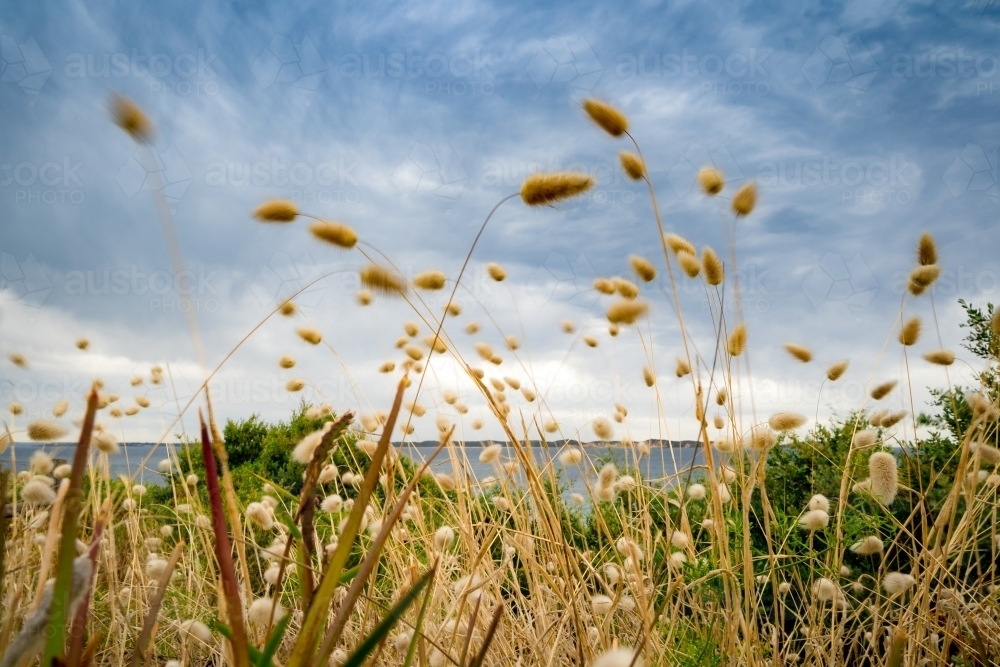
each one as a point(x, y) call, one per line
point(335, 233)
point(987, 453)
point(276, 210)
point(261, 515)
point(429, 280)
point(129, 117)
point(444, 537)
point(571, 456)
point(762, 438)
point(892, 418)
point(260, 612)
point(678, 243)
point(196, 630)
point(819, 502)
point(697, 492)
point(59, 409)
point(721, 396)
point(711, 181)
point(590, 341)
point(332, 503)
point(287, 361)
point(632, 165)
point(786, 421)
point(895, 583)
point(604, 285)
point(303, 451)
point(490, 454)
point(105, 442)
point(940, 357)
point(610, 119)
point(295, 384)
point(618, 657)
point(310, 335)
point(864, 439)
point(380, 279)
point(884, 476)
point(363, 297)
point(712, 266)
point(602, 429)
point(882, 390)
point(626, 311)
point(868, 546)
point(643, 268)
point(737, 341)
point(923, 277)
point(814, 520)
point(37, 492)
point(539, 189)
point(45, 431)
point(909, 333)
point(689, 263)
point(18, 359)
point(648, 377)
point(800, 352)
point(825, 590)
point(836, 369)
point(682, 368)
point(15, 408)
point(926, 250)
point(745, 199)
point(718, 421)
point(626, 288)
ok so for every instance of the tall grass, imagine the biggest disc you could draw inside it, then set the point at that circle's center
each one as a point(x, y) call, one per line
point(890, 559)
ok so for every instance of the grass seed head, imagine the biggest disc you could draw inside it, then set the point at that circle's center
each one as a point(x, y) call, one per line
point(643, 268)
point(940, 357)
point(786, 421)
point(882, 390)
point(310, 335)
point(712, 266)
point(678, 243)
point(836, 370)
point(648, 377)
point(800, 352)
point(909, 333)
point(604, 285)
point(382, 280)
point(926, 250)
point(429, 280)
point(626, 311)
point(895, 583)
point(711, 181)
point(884, 476)
point(129, 117)
point(45, 431)
point(814, 520)
point(745, 199)
point(737, 341)
point(923, 277)
point(632, 165)
point(334, 233)
point(610, 119)
point(540, 189)
point(682, 368)
point(276, 210)
point(868, 546)
point(689, 264)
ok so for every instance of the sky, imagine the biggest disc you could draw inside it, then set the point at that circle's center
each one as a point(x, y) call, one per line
point(863, 125)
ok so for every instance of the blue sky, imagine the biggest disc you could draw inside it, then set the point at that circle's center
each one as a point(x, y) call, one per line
point(864, 124)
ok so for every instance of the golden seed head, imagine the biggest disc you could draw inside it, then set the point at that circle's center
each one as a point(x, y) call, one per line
point(926, 250)
point(130, 118)
point(909, 333)
point(643, 268)
point(884, 475)
point(512, 342)
point(613, 330)
point(18, 359)
point(711, 181)
point(880, 391)
point(609, 118)
point(689, 264)
point(454, 309)
point(682, 368)
point(380, 279)
point(287, 361)
point(496, 272)
point(287, 308)
point(800, 352)
point(310, 335)
point(677, 243)
point(923, 277)
point(590, 341)
point(626, 288)
point(335, 233)
point(567, 326)
point(82, 343)
point(648, 377)
point(436, 343)
point(539, 189)
point(745, 199)
point(836, 369)
point(786, 421)
point(295, 384)
point(364, 297)
point(411, 328)
point(413, 352)
point(632, 165)
point(45, 431)
point(429, 280)
point(276, 210)
point(602, 429)
point(604, 285)
point(626, 311)
point(940, 357)
point(737, 341)
point(714, 270)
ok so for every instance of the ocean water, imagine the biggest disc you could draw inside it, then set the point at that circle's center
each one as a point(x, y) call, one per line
point(660, 463)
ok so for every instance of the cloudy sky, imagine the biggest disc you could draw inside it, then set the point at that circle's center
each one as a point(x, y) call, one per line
point(863, 125)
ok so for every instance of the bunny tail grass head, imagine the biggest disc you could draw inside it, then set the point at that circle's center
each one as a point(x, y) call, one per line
point(45, 431)
point(737, 341)
point(711, 181)
point(540, 189)
point(800, 352)
point(689, 263)
point(926, 250)
point(909, 333)
point(335, 233)
point(380, 279)
point(276, 210)
point(884, 476)
point(940, 357)
point(786, 421)
point(626, 311)
point(130, 118)
point(429, 280)
point(836, 370)
point(632, 165)
point(745, 199)
point(610, 119)
point(310, 335)
point(712, 266)
point(643, 268)
point(882, 390)
point(496, 272)
point(923, 277)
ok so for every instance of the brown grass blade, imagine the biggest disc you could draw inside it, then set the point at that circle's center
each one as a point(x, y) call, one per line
point(77, 631)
